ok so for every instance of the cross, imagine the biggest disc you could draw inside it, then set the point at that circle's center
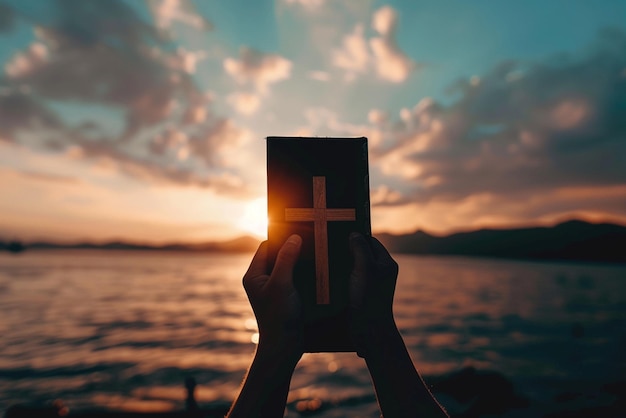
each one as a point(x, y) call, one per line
point(320, 215)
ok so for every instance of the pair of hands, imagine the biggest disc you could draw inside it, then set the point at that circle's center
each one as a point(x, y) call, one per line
point(400, 390)
point(276, 303)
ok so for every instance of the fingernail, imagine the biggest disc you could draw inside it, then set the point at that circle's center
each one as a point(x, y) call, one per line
point(294, 240)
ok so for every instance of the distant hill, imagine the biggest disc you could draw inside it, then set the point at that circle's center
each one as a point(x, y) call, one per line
point(241, 244)
point(572, 240)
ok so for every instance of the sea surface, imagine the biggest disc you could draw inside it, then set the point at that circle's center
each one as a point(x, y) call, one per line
point(123, 330)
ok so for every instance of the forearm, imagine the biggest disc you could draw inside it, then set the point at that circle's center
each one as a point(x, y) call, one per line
point(266, 386)
point(400, 390)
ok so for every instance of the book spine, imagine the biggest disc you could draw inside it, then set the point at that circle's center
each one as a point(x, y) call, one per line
point(366, 190)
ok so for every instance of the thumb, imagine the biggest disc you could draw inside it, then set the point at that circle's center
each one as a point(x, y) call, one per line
point(282, 275)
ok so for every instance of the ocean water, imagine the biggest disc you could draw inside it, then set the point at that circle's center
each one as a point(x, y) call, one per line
point(122, 330)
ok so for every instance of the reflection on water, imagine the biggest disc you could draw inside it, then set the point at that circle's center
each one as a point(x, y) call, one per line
point(124, 329)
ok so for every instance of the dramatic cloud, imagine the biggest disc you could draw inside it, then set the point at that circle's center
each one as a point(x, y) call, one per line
point(520, 135)
point(259, 69)
point(70, 62)
point(103, 54)
point(382, 53)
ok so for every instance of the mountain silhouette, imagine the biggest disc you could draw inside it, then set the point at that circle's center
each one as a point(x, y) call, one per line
point(571, 240)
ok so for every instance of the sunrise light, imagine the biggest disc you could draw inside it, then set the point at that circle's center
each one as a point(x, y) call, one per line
point(254, 218)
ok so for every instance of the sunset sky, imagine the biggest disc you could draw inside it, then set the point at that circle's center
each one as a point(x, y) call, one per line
point(145, 120)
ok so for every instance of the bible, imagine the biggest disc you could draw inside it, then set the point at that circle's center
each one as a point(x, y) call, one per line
point(318, 188)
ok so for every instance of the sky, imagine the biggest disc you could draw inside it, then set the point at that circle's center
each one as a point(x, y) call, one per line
point(145, 120)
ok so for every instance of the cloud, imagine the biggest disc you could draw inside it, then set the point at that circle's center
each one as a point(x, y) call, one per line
point(48, 177)
point(21, 113)
point(357, 56)
point(257, 68)
point(377, 117)
point(324, 122)
point(385, 21)
point(523, 135)
point(24, 63)
point(186, 61)
point(307, 4)
point(216, 144)
point(385, 195)
point(168, 11)
point(155, 171)
point(319, 75)
point(104, 54)
point(392, 64)
point(524, 142)
point(70, 63)
point(245, 103)
point(353, 57)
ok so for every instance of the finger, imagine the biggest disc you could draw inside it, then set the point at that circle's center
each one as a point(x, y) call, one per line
point(258, 265)
point(285, 262)
point(381, 255)
point(379, 251)
point(361, 252)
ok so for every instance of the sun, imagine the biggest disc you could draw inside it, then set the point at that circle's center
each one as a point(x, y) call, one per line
point(254, 218)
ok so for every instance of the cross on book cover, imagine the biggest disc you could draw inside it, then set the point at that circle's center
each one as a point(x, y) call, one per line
point(318, 188)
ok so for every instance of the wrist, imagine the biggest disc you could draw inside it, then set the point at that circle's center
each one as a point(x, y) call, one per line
point(285, 349)
point(378, 336)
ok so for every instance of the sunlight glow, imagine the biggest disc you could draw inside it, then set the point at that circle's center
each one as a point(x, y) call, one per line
point(254, 218)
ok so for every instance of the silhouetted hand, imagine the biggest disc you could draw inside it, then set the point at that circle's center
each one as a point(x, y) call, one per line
point(277, 308)
point(273, 298)
point(372, 287)
point(400, 390)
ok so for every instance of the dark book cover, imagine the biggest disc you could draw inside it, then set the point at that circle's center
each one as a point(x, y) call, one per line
point(318, 188)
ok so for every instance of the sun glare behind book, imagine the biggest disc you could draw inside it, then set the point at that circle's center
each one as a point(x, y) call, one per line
point(254, 218)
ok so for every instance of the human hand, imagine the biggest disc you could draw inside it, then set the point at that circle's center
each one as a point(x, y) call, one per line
point(276, 305)
point(372, 287)
point(400, 390)
point(274, 300)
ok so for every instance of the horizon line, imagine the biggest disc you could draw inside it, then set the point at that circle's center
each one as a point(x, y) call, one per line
point(252, 237)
